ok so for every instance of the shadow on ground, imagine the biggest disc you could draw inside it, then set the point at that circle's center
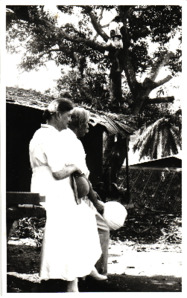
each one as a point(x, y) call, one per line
point(115, 283)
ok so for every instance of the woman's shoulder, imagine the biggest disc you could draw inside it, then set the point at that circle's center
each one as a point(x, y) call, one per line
point(68, 134)
point(44, 133)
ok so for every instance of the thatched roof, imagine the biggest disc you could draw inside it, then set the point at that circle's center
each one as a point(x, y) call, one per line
point(28, 98)
point(114, 123)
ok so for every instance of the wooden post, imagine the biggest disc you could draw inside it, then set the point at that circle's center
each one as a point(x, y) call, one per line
point(127, 169)
point(109, 179)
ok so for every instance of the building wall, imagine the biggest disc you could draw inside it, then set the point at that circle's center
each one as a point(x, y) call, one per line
point(93, 145)
point(21, 124)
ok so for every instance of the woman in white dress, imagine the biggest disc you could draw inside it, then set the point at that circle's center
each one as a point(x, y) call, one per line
point(71, 245)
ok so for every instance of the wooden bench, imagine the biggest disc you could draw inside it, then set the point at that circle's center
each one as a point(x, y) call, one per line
point(23, 204)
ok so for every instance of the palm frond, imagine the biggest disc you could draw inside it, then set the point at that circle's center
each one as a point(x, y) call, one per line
point(160, 139)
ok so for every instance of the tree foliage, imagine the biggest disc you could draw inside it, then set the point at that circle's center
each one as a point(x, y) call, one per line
point(84, 39)
point(99, 69)
point(161, 138)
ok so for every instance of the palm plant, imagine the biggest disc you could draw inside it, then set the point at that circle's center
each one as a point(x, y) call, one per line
point(162, 138)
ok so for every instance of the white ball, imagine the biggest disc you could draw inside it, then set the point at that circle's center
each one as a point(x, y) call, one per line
point(114, 214)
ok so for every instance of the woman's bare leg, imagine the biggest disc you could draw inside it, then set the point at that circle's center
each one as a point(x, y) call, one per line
point(72, 286)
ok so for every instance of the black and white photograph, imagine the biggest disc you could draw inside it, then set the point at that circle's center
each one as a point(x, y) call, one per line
point(91, 147)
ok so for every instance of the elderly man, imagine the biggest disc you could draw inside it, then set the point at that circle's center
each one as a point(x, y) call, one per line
point(79, 127)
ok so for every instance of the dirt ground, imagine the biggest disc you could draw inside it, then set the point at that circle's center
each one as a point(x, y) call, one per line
point(144, 256)
point(132, 268)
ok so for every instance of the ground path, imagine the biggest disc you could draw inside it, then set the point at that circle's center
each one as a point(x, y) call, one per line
point(132, 268)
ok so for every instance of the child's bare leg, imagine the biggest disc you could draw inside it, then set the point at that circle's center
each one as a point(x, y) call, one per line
point(95, 274)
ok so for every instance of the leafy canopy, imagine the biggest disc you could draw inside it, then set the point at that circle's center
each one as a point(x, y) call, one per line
point(85, 33)
point(78, 37)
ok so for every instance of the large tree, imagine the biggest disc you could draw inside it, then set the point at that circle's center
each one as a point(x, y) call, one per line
point(86, 39)
point(108, 56)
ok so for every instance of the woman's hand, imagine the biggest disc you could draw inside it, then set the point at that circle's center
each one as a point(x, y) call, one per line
point(77, 169)
point(78, 172)
point(66, 171)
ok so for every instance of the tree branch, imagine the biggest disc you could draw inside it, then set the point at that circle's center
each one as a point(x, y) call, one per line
point(127, 63)
point(160, 100)
point(101, 14)
point(163, 81)
point(95, 23)
point(164, 58)
point(106, 25)
point(150, 84)
point(91, 43)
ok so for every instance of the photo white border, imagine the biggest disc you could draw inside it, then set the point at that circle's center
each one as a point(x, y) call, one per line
point(3, 3)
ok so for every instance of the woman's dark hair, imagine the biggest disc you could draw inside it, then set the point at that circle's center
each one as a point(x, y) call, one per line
point(46, 115)
point(61, 105)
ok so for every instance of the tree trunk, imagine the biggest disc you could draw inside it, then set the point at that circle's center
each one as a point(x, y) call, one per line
point(140, 99)
point(113, 158)
point(115, 78)
point(115, 89)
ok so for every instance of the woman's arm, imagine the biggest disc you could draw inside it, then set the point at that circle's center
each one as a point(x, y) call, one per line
point(66, 171)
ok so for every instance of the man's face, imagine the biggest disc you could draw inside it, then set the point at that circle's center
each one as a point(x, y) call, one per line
point(83, 129)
